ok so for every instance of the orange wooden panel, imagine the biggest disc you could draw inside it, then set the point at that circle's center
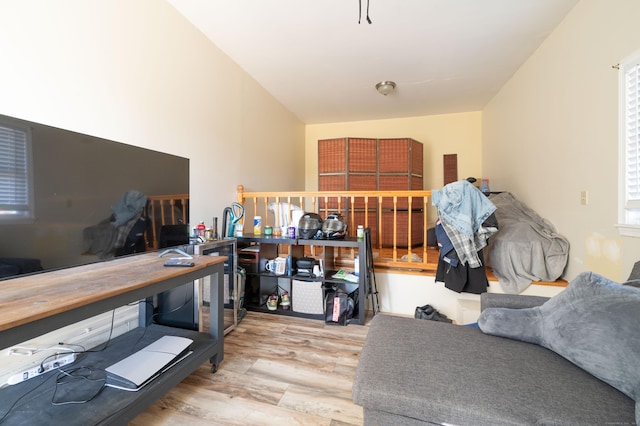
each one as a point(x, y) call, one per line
point(450, 165)
point(332, 155)
point(417, 159)
point(404, 183)
point(363, 156)
point(371, 222)
point(402, 226)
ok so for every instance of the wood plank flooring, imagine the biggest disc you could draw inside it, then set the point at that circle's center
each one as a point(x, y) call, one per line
point(277, 370)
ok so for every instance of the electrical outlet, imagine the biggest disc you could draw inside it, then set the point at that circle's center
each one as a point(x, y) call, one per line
point(62, 359)
point(584, 198)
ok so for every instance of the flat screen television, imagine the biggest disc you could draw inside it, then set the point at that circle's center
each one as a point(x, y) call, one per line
point(78, 180)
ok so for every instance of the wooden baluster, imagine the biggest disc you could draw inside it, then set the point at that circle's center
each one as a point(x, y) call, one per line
point(172, 204)
point(154, 228)
point(351, 215)
point(184, 202)
point(240, 200)
point(265, 218)
point(409, 217)
point(395, 228)
point(380, 230)
point(424, 231)
point(255, 213)
point(277, 214)
point(162, 218)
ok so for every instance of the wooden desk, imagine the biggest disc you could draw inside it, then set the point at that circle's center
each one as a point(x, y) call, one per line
point(37, 304)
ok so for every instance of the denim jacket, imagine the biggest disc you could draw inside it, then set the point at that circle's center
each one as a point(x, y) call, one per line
point(463, 206)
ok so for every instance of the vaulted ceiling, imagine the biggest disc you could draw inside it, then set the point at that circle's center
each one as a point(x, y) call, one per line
point(322, 59)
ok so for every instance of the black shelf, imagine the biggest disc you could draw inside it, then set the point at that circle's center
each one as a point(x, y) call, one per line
point(347, 242)
point(111, 406)
point(87, 290)
point(260, 283)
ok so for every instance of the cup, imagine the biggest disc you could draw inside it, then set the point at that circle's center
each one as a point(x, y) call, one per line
point(280, 265)
point(270, 266)
point(316, 270)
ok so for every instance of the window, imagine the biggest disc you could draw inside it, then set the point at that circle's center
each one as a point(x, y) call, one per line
point(16, 186)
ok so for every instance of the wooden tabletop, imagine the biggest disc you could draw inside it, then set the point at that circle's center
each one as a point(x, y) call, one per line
point(34, 297)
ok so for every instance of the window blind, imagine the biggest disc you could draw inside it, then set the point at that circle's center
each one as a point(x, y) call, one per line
point(14, 172)
point(632, 135)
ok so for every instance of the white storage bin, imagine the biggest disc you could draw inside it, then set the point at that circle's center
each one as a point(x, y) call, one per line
point(307, 297)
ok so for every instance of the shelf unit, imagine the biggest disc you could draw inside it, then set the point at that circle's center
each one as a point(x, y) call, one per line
point(255, 250)
point(37, 304)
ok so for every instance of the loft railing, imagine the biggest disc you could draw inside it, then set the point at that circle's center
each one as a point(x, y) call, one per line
point(397, 219)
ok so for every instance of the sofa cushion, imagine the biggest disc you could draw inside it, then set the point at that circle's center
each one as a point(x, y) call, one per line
point(445, 373)
point(592, 323)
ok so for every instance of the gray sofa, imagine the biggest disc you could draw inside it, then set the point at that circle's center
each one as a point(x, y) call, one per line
point(416, 372)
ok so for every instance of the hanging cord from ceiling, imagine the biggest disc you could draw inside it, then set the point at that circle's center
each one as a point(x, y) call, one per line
point(360, 11)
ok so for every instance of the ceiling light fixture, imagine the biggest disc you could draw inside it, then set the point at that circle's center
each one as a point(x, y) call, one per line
point(385, 87)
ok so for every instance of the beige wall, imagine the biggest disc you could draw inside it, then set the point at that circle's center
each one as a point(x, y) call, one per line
point(552, 132)
point(138, 72)
point(440, 134)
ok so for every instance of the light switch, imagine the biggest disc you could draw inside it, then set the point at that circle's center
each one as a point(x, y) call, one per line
point(584, 198)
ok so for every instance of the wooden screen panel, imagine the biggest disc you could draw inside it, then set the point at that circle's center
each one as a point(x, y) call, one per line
point(331, 183)
point(401, 183)
point(402, 225)
point(359, 219)
point(393, 155)
point(417, 159)
point(450, 166)
point(363, 156)
point(362, 183)
point(332, 155)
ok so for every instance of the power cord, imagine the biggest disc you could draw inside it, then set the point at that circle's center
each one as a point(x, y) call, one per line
point(85, 375)
point(81, 374)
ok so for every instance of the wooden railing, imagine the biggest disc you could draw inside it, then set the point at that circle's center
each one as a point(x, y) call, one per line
point(165, 210)
point(398, 220)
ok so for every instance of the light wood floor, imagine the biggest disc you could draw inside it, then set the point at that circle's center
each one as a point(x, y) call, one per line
point(277, 370)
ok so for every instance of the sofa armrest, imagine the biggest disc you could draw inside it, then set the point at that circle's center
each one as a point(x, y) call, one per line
point(513, 301)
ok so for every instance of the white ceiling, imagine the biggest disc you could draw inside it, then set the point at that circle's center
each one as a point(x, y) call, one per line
point(446, 56)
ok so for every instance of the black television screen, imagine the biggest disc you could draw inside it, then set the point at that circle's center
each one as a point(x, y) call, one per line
point(78, 181)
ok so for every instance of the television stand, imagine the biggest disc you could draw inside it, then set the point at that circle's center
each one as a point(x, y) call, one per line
point(37, 304)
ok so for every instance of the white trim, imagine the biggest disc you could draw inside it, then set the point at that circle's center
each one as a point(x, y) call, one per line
point(629, 230)
point(624, 226)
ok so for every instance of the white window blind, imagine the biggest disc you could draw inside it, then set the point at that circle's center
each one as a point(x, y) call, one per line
point(632, 135)
point(15, 172)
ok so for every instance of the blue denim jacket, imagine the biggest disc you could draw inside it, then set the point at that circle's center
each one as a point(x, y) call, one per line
point(462, 206)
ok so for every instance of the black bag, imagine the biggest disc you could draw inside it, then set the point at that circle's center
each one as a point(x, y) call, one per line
point(428, 312)
point(338, 307)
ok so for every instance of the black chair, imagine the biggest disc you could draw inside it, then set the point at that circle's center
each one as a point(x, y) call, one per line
point(173, 235)
point(176, 307)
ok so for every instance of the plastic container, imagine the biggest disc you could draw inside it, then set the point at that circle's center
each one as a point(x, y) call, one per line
point(257, 225)
point(202, 229)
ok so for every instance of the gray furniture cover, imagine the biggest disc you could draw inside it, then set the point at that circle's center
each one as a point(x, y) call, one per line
point(526, 247)
point(415, 372)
